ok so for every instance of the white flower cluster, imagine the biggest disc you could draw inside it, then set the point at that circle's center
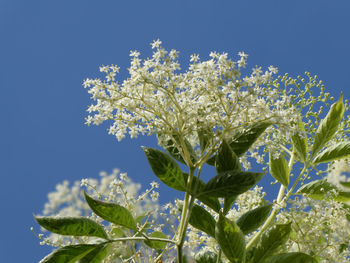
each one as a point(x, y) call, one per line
point(158, 98)
point(320, 229)
point(337, 172)
point(115, 187)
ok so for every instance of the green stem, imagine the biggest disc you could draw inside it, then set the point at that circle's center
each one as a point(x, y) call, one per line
point(218, 259)
point(142, 239)
point(183, 226)
point(279, 202)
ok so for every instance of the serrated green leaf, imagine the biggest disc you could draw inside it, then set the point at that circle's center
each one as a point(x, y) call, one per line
point(328, 126)
point(242, 141)
point(230, 239)
point(270, 242)
point(231, 183)
point(165, 168)
point(226, 159)
point(111, 212)
point(228, 202)
point(207, 257)
point(318, 189)
point(96, 255)
point(172, 149)
point(279, 169)
point(157, 244)
point(251, 220)
point(210, 201)
point(72, 226)
point(68, 254)
point(335, 152)
point(300, 143)
point(292, 257)
point(202, 220)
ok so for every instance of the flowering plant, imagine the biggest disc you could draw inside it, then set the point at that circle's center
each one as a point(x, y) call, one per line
point(211, 114)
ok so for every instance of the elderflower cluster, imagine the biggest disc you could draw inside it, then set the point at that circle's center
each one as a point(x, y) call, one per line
point(320, 228)
point(337, 172)
point(68, 201)
point(212, 94)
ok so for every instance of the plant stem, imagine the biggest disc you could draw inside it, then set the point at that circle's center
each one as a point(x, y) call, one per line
point(183, 226)
point(142, 239)
point(277, 207)
point(218, 259)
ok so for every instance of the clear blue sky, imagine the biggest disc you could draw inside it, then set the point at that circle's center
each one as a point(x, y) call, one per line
point(48, 47)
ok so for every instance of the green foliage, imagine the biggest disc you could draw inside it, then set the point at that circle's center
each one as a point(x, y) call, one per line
point(270, 242)
point(251, 220)
point(207, 257)
point(242, 141)
point(69, 254)
point(158, 245)
point(97, 255)
point(228, 202)
point(226, 159)
point(231, 183)
point(72, 226)
point(300, 143)
point(111, 212)
point(230, 239)
point(295, 257)
point(165, 168)
point(328, 126)
point(336, 152)
point(173, 150)
point(318, 190)
point(202, 220)
point(208, 200)
point(279, 169)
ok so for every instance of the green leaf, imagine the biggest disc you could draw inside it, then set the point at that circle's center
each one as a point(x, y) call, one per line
point(300, 143)
point(111, 212)
point(251, 220)
point(242, 141)
point(207, 257)
point(345, 184)
point(117, 232)
point(230, 239)
point(68, 254)
point(165, 168)
point(228, 202)
point(158, 245)
point(295, 257)
point(226, 159)
point(205, 135)
point(97, 255)
point(72, 226)
point(231, 183)
point(328, 126)
point(270, 242)
point(210, 201)
point(172, 149)
point(279, 169)
point(318, 190)
point(335, 152)
point(202, 220)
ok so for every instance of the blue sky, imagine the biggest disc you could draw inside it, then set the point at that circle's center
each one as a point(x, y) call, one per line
point(47, 49)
